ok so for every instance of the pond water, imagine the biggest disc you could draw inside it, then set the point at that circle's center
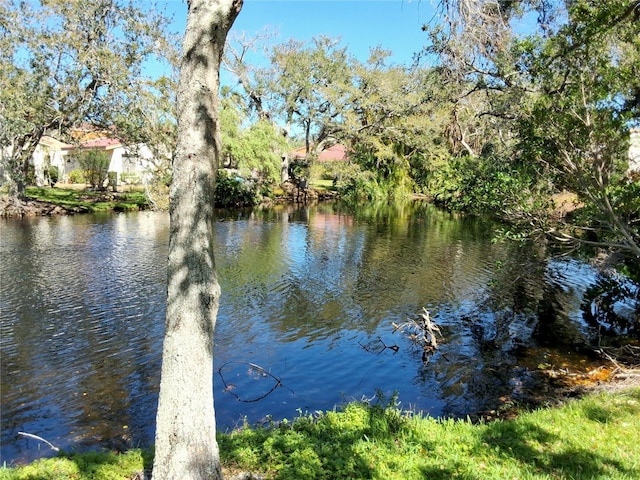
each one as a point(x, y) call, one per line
point(310, 296)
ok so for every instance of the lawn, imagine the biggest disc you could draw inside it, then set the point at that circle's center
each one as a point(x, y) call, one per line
point(596, 437)
point(89, 200)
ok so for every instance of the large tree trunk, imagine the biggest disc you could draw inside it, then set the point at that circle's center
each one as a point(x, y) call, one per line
point(186, 446)
point(17, 163)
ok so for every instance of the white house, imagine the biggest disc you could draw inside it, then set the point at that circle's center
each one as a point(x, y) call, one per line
point(49, 151)
point(132, 163)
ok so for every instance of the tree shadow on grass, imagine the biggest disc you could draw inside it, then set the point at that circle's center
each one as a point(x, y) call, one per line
point(532, 446)
point(367, 441)
point(313, 447)
point(533, 449)
point(451, 470)
point(628, 404)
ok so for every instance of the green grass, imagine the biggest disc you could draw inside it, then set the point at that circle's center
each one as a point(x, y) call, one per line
point(596, 437)
point(92, 201)
point(322, 184)
point(92, 465)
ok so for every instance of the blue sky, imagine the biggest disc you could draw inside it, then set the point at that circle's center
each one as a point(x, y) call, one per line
point(361, 24)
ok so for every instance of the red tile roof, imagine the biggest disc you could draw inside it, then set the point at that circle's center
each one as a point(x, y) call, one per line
point(101, 143)
point(333, 153)
point(98, 143)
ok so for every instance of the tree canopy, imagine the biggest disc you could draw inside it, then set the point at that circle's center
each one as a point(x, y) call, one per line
point(63, 63)
point(508, 104)
point(565, 90)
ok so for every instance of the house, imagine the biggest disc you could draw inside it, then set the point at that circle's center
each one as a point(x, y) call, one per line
point(48, 152)
point(334, 153)
point(132, 163)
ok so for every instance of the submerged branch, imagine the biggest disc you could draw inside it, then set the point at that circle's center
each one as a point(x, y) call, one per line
point(40, 439)
point(253, 367)
point(378, 346)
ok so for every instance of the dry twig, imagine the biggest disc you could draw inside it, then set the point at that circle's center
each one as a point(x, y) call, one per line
point(422, 331)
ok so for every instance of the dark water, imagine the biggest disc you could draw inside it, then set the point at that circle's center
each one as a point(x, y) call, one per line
point(309, 299)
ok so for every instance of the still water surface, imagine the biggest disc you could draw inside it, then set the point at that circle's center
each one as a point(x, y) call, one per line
point(309, 299)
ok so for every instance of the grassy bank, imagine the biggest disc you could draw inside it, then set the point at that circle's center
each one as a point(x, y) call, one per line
point(596, 437)
point(92, 201)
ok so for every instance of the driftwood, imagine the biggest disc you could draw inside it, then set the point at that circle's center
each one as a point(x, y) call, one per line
point(423, 331)
point(623, 358)
point(40, 439)
point(626, 366)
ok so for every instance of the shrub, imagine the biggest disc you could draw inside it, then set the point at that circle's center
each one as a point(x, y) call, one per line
point(54, 174)
point(299, 168)
point(338, 172)
point(361, 186)
point(76, 176)
point(113, 179)
point(489, 185)
point(232, 190)
point(95, 165)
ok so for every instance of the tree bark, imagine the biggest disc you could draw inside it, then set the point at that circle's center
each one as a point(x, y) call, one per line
point(186, 446)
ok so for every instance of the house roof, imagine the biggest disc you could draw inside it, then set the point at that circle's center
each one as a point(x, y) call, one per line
point(104, 143)
point(335, 152)
point(48, 141)
point(86, 131)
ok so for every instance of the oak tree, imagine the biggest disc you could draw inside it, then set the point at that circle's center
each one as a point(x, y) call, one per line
point(63, 63)
point(186, 446)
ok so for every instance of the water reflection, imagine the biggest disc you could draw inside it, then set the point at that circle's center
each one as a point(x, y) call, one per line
point(304, 289)
point(82, 300)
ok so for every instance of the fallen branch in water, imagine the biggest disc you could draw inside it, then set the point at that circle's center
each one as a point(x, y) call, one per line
point(374, 346)
point(624, 358)
point(40, 439)
point(422, 331)
point(228, 388)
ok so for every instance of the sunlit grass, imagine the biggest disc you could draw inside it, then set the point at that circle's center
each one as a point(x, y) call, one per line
point(92, 201)
point(85, 466)
point(593, 438)
point(323, 184)
point(596, 437)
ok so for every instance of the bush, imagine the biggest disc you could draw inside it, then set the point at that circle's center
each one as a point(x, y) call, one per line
point(113, 179)
point(54, 174)
point(337, 172)
point(488, 185)
point(232, 190)
point(360, 186)
point(77, 176)
point(95, 165)
point(299, 168)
